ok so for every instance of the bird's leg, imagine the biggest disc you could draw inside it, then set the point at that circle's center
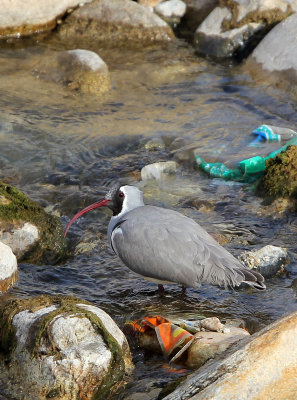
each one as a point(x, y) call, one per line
point(184, 290)
point(161, 290)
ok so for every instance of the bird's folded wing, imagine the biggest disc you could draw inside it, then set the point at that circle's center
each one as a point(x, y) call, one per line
point(164, 245)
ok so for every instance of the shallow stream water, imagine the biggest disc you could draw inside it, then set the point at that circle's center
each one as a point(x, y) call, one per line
point(65, 149)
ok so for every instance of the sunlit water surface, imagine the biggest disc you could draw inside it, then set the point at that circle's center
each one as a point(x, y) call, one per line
point(65, 149)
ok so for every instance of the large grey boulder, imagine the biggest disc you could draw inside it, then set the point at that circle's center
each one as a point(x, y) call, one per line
point(18, 18)
point(263, 366)
point(62, 347)
point(275, 59)
point(8, 268)
point(231, 28)
point(116, 22)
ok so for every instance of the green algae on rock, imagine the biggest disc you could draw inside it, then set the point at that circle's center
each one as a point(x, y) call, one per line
point(64, 346)
point(17, 210)
point(280, 177)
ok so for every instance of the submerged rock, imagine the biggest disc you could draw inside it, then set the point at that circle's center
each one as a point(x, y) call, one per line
point(77, 69)
point(33, 235)
point(262, 366)
point(274, 60)
point(238, 24)
point(154, 144)
point(8, 268)
point(159, 170)
point(269, 260)
point(63, 347)
point(116, 22)
point(280, 177)
point(17, 20)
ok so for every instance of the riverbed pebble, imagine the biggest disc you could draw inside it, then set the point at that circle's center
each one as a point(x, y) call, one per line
point(8, 268)
point(212, 324)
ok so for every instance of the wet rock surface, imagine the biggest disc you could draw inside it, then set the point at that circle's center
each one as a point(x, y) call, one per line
point(78, 69)
point(8, 268)
point(62, 347)
point(32, 234)
point(115, 22)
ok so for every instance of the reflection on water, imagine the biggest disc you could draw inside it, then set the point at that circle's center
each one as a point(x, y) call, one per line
point(65, 149)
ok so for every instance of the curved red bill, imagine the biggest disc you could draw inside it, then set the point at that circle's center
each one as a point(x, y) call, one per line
point(85, 210)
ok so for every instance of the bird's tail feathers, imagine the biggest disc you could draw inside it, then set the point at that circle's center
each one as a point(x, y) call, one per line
point(253, 278)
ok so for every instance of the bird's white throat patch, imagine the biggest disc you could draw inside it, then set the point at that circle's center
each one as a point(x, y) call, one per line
point(133, 198)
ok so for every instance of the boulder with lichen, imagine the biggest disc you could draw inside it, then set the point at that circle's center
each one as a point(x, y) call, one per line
point(33, 235)
point(62, 347)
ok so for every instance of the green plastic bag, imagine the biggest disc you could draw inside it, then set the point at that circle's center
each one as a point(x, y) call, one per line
point(247, 170)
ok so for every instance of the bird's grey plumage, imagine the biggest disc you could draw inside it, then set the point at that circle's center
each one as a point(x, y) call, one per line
point(166, 246)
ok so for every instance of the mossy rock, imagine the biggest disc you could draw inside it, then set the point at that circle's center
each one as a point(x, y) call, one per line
point(36, 360)
point(280, 177)
point(16, 209)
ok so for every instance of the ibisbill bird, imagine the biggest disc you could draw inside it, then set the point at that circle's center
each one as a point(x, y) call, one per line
point(166, 247)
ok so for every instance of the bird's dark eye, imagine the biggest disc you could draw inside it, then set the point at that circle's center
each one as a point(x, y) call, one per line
point(121, 194)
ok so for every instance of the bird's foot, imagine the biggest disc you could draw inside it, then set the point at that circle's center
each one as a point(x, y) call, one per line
point(161, 290)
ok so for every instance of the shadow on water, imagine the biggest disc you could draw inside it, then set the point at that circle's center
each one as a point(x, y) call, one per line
point(65, 150)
